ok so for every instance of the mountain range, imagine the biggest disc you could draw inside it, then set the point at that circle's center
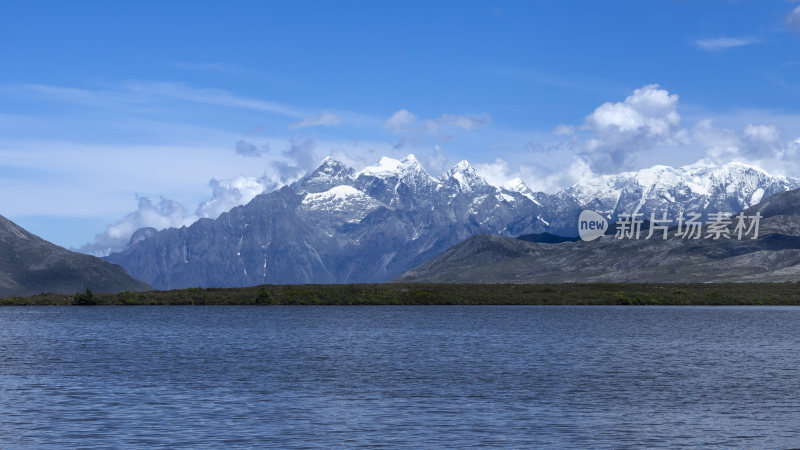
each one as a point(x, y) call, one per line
point(30, 265)
point(339, 225)
point(773, 257)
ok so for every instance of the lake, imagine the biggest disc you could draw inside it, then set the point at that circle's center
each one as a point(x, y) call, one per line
point(424, 376)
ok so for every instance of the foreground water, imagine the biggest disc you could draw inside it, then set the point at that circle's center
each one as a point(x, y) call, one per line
point(399, 376)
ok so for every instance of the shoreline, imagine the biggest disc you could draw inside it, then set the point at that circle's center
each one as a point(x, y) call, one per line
point(753, 294)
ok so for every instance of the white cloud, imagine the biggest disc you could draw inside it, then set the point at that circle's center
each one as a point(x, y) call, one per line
point(647, 123)
point(647, 118)
point(564, 130)
point(227, 194)
point(762, 145)
point(723, 43)
point(406, 141)
point(103, 145)
point(646, 129)
point(457, 121)
point(251, 150)
point(721, 144)
point(763, 140)
point(649, 110)
point(550, 177)
point(793, 19)
point(554, 180)
point(297, 160)
point(496, 173)
point(435, 161)
point(166, 213)
point(763, 133)
point(415, 134)
point(325, 119)
point(400, 120)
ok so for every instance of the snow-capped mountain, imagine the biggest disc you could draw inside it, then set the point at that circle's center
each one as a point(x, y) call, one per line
point(342, 225)
point(699, 187)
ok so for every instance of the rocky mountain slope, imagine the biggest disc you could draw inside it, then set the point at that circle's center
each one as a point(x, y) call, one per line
point(773, 256)
point(338, 225)
point(30, 265)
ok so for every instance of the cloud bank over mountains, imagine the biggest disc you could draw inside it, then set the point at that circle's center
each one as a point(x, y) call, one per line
point(645, 119)
point(617, 136)
point(642, 130)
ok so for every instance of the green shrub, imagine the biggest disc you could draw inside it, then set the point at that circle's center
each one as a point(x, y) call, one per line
point(85, 299)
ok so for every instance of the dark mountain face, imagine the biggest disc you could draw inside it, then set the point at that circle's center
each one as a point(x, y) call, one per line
point(30, 265)
point(773, 256)
point(277, 239)
point(784, 204)
point(334, 226)
point(339, 226)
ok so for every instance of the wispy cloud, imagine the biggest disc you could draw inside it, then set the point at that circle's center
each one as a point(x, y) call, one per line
point(250, 150)
point(141, 93)
point(400, 121)
point(215, 97)
point(87, 97)
point(440, 129)
point(793, 19)
point(468, 123)
point(325, 119)
point(722, 43)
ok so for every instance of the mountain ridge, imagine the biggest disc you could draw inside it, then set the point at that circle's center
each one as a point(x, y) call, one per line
point(774, 256)
point(372, 225)
point(30, 265)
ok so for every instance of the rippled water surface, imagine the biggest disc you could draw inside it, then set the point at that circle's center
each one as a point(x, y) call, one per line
point(399, 376)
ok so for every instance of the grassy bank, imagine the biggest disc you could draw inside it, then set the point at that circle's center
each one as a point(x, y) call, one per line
point(444, 294)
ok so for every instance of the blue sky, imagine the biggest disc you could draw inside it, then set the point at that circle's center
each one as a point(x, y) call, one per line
point(104, 104)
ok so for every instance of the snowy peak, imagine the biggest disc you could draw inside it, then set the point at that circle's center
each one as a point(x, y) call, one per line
point(736, 172)
point(386, 167)
point(463, 167)
point(405, 184)
point(658, 176)
point(332, 168)
point(342, 226)
point(331, 165)
point(700, 178)
point(337, 193)
point(515, 185)
point(390, 167)
point(329, 174)
point(519, 186)
point(701, 186)
point(341, 199)
point(407, 175)
point(732, 177)
point(465, 177)
point(411, 164)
